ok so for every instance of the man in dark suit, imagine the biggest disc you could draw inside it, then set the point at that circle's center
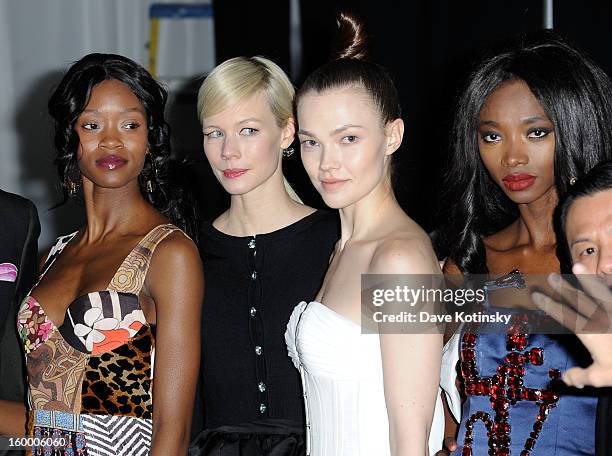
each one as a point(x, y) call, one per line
point(19, 230)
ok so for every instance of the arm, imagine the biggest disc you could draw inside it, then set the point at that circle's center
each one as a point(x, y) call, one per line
point(450, 430)
point(12, 418)
point(450, 425)
point(410, 398)
point(176, 284)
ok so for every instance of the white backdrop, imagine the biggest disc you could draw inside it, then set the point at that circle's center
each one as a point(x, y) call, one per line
point(39, 39)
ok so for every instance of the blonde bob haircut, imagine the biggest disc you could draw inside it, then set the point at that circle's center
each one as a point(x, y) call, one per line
point(239, 78)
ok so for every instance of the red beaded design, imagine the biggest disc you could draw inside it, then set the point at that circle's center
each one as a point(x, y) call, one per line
point(505, 389)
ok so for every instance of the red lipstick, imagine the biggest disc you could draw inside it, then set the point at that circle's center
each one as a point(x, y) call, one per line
point(234, 173)
point(111, 162)
point(518, 182)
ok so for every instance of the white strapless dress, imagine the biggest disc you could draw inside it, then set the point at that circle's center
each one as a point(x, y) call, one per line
point(342, 377)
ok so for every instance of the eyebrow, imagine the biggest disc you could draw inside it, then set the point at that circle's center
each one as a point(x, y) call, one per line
point(578, 241)
point(535, 119)
point(305, 132)
point(345, 127)
point(492, 123)
point(527, 121)
point(250, 119)
point(125, 111)
point(333, 132)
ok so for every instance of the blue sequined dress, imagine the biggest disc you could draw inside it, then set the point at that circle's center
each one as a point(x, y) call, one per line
point(515, 403)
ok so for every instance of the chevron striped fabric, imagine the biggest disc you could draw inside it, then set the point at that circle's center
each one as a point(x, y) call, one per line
point(90, 380)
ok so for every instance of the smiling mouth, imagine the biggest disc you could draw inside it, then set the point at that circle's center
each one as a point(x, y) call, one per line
point(111, 162)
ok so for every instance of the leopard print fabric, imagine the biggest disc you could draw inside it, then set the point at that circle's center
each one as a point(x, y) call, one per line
point(118, 382)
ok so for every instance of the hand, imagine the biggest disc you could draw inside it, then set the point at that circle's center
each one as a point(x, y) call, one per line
point(589, 315)
point(450, 445)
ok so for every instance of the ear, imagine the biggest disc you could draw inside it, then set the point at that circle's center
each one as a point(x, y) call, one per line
point(394, 132)
point(288, 134)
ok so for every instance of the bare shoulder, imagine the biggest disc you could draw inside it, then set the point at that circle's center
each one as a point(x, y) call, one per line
point(175, 274)
point(450, 267)
point(175, 253)
point(405, 252)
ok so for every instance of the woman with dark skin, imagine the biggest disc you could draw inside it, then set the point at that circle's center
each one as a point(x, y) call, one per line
point(519, 139)
point(115, 309)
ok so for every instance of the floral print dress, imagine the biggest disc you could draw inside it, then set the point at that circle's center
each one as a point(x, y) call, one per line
point(90, 380)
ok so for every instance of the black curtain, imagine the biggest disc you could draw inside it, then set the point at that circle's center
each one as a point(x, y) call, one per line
point(428, 46)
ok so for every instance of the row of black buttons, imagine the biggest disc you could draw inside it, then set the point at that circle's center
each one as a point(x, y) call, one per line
point(261, 386)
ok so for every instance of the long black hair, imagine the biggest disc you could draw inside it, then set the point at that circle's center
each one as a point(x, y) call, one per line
point(598, 179)
point(576, 96)
point(70, 99)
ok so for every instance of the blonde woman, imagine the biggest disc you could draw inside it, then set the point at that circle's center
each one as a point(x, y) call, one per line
point(264, 253)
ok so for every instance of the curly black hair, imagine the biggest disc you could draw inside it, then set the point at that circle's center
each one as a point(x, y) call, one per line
point(70, 99)
point(576, 96)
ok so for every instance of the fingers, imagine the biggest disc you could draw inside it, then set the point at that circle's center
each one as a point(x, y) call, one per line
point(565, 315)
point(450, 443)
point(576, 376)
point(594, 286)
point(575, 298)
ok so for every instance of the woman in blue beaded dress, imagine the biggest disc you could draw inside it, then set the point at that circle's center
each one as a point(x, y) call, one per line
point(530, 121)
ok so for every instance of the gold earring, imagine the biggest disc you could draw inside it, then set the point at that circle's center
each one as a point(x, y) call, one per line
point(71, 187)
point(149, 184)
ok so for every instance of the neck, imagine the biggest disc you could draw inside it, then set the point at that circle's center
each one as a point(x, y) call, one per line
point(264, 209)
point(113, 211)
point(535, 224)
point(362, 219)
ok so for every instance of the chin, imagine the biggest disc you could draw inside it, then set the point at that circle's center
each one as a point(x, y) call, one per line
point(336, 201)
point(235, 188)
point(111, 183)
point(526, 196)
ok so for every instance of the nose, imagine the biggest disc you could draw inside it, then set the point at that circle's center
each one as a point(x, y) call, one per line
point(514, 154)
point(111, 139)
point(330, 159)
point(604, 265)
point(229, 149)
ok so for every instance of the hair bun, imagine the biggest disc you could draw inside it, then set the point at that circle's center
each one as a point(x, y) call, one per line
point(352, 39)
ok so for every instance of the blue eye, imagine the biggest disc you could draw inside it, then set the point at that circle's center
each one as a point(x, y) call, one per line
point(308, 143)
point(490, 137)
point(350, 139)
point(214, 134)
point(248, 131)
